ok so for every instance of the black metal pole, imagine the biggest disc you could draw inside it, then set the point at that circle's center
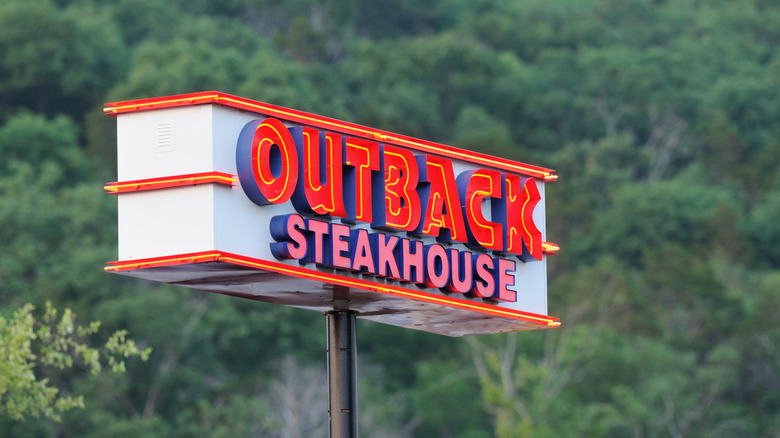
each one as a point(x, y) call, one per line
point(342, 374)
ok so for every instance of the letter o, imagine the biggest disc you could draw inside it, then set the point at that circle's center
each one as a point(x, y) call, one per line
point(267, 161)
point(437, 266)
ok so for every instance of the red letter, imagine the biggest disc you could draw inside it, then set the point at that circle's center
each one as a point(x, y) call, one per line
point(444, 209)
point(320, 229)
point(523, 238)
point(267, 161)
point(384, 248)
point(339, 246)
point(362, 256)
point(363, 155)
point(402, 204)
point(412, 260)
point(503, 279)
point(290, 240)
point(479, 185)
point(487, 287)
point(323, 198)
point(437, 266)
point(462, 266)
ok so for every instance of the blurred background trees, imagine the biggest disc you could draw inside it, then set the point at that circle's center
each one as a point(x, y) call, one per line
point(661, 118)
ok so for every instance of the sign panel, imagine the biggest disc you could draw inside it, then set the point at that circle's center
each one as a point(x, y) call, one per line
point(233, 196)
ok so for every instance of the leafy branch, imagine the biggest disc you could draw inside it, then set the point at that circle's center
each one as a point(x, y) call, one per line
point(27, 344)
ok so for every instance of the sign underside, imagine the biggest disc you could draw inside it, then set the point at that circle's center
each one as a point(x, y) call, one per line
point(388, 304)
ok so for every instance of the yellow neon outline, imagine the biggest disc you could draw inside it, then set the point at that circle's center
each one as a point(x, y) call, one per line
point(259, 163)
point(386, 289)
point(359, 179)
point(484, 195)
point(522, 215)
point(217, 98)
point(332, 169)
point(403, 187)
point(138, 265)
point(382, 136)
point(388, 171)
point(450, 209)
point(334, 279)
point(550, 247)
point(307, 149)
point(117, 187)
point(511, 229)
point(331, 172)
point(440, 223)
point(116, 109)
point(286, 160)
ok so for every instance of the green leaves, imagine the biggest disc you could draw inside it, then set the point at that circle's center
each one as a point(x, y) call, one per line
point(34, 140)
point(660, 117)
point(29, 346)
point(54, 58)
point(764, 229)
point(647, 215)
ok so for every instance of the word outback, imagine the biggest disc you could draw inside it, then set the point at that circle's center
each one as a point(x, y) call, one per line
point(327, 174)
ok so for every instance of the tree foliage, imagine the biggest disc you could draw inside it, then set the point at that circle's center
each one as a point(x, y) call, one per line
point(29, 345)
point(660, 117)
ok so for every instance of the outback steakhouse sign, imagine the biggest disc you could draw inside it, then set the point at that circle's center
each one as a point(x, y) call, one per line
point(228, 195)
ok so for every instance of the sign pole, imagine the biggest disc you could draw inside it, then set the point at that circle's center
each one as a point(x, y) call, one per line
point(342, 373)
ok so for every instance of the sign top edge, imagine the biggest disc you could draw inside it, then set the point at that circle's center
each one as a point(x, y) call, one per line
point(224, 99)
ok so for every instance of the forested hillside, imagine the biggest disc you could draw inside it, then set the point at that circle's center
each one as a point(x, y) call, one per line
point(662, 119)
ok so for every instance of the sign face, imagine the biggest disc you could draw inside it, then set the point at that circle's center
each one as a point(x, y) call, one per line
point(233, 196)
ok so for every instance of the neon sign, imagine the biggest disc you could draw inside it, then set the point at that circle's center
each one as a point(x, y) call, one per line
point(278, 205)
point(414, 193)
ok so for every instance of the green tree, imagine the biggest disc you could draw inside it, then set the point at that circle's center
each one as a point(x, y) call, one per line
point(29, 345)
point(56, 59)
point(37, 141)
point(648, 215)
point(659, 116)
point(764, 230)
